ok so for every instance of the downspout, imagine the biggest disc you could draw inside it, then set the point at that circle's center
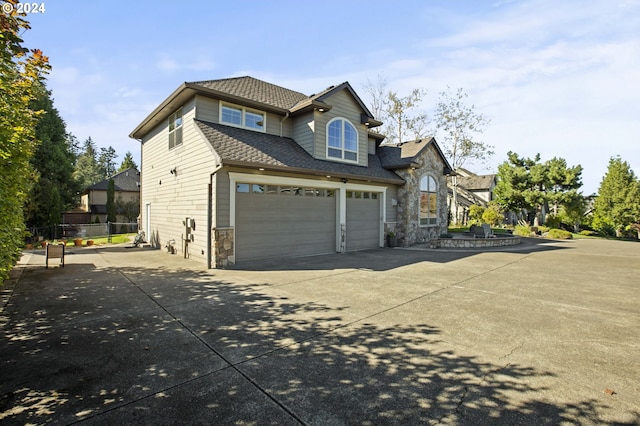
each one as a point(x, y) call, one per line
point(210, 213)
point(281, 121)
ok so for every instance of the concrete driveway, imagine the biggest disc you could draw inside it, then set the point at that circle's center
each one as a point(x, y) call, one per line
point(545, 333)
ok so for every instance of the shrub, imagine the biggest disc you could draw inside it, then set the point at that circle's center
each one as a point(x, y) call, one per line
point(522, 230)
point(588, 233)
point(559, 234)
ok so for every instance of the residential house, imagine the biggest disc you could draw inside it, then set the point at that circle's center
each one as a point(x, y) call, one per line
point(93, 200)
point(471, 189)
point(238, 169)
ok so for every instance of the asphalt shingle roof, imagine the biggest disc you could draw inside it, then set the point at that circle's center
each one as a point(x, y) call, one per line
point(127, 180)
point(255, 90)
point(236, 145)
point(483, 182)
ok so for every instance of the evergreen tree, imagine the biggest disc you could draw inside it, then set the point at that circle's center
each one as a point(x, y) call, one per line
point(529, 184)
point(107, 163)
point(127, 163)
point(53, 162)
point(617, 205)
point(88, 170)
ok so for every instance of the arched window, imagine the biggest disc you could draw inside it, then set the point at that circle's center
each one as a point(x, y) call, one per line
point(342, 140)
point(428, 201)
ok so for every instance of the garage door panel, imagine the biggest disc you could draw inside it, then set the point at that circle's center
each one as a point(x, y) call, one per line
point(269, 226)
point(363, 223)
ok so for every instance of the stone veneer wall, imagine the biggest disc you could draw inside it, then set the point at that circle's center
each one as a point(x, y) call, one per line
point(223, 240)
point(408, 229)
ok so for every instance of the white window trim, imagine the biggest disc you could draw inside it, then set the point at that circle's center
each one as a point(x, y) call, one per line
point(357, 151)
point(437, 218)
point(244, 110)
point(341, 200)
point(171, 119)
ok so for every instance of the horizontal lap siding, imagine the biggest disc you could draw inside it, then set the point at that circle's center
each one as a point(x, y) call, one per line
point(174, 197)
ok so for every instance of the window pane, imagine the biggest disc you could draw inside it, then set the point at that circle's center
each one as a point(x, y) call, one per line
point(231, 115)
point(254, 121)
point(310, 192)
point(366, 195)
point(350, 137)
point(349, 194)
point(272, 189)
point(335, 153)
point(330, 193)
point(424, 205)
point(374, 196)
point(242, 187)
point(258, 189)
point(335, 134)
point(357, 194)
point(179, 120)
point(350, 156)
point(432, 185)
point(172, 140)
point(432, 204)
point(178, 133)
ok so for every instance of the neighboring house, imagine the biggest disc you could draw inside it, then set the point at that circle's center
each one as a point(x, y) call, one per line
point(472, 189)
point(127, 197)
point(238, 169)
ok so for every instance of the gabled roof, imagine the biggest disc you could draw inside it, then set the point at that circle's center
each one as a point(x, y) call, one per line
point(127, 181)
point(477, 182)
point(251, 92)
point(329, 91)
point(240, 147)
point(404, 155)
point(252, 89)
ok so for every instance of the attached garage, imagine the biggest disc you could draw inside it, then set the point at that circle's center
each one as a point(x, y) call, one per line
point(277, 221)
point(363, 220)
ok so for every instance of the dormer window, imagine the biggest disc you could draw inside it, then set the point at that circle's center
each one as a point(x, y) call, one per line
point(342, 140)
point(238, 116)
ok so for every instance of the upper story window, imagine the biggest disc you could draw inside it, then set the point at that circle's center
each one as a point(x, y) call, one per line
point(175, 129)
point(342, 140)
point(242, 117)
point(428, 201)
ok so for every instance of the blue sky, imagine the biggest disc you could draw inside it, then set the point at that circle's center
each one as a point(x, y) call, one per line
point(561, 78)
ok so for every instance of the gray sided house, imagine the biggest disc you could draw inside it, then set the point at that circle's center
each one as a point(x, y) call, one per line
point(127, 197)
point(238, 169)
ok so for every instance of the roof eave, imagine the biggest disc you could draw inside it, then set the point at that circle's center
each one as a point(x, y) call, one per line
point(315, 172)
point(175, 99)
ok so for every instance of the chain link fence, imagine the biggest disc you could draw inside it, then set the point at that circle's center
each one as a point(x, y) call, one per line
point(89, 230)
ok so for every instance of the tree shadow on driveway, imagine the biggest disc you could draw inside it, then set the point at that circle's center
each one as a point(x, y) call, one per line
point(164, 345)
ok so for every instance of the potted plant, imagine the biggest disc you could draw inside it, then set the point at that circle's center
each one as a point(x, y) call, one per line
point(89, 242)
point(77, 242)
point(392, 241)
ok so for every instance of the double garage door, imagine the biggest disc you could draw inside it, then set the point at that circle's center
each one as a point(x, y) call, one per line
point(275, 221)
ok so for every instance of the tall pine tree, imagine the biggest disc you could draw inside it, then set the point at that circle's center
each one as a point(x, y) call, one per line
point(55, 190)
point(617, 205)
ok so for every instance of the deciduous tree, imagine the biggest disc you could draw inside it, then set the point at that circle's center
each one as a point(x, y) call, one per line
point(21, 74)
point(458, 128)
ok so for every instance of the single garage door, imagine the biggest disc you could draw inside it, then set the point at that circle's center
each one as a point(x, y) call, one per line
point(363, 220)
point(283, 221)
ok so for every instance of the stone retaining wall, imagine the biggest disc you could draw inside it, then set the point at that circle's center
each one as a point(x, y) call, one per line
point(474, 242)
